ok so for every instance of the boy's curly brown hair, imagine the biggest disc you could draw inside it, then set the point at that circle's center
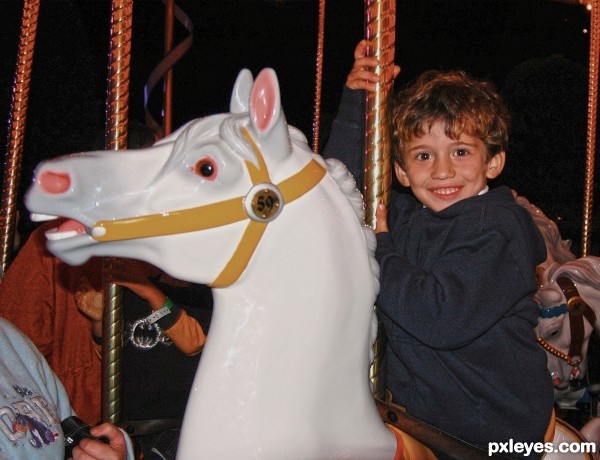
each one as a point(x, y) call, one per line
point(461, 102)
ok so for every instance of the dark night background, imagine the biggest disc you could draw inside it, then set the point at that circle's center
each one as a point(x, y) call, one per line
point(535, 51)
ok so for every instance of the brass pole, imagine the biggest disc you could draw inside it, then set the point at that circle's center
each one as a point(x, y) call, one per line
point(319, 76)
point(380, 30)
point(117, 107)
point(588, 198)
point(16, 130)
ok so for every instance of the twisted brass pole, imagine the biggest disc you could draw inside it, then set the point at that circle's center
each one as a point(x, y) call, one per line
point(380, 30)
point(588, 197)
point(380, 26)
point(117, 107)
point(16, 129)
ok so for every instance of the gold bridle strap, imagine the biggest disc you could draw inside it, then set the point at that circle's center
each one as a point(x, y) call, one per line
point(222, 213)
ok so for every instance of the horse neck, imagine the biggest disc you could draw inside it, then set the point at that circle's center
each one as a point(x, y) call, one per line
point(301, 284)
point(291, 336)
point(307, 291)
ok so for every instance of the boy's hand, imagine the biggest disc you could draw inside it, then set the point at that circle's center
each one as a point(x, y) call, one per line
point(381, 225)
point(361, 75)
point(90, 449)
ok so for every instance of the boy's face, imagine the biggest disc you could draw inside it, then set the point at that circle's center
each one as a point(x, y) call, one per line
point(442, 171)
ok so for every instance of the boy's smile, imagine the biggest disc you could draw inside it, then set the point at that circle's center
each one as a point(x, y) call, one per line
point(442, 171)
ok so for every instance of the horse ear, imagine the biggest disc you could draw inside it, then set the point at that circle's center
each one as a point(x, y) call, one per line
point(240, 95)
point(265, 101)
point(267, 118)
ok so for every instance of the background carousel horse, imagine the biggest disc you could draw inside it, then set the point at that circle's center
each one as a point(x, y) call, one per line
point(569, 298)
point(569, 302)
point(554, 328)
point(240, 202)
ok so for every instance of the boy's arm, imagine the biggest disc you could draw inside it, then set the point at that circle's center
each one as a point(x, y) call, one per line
point(346, 139)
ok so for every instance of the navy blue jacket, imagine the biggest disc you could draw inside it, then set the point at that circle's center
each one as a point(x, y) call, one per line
point(456, 304)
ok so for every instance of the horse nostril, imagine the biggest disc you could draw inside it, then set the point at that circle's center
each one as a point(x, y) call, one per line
point(54, 182)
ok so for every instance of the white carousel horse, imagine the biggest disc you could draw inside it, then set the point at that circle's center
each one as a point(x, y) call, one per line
point(240, 202)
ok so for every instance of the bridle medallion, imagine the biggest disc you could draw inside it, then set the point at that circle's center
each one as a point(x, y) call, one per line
point(264, 202)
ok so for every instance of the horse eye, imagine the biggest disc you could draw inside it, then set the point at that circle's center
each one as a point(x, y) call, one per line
point(206, 168)
point(554, 333)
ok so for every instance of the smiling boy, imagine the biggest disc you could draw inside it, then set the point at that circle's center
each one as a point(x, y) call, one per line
point(442, 171)
point(457, 262)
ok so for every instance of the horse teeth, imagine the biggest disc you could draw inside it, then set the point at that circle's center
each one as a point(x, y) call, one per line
point(36, 217)
point(55, 235)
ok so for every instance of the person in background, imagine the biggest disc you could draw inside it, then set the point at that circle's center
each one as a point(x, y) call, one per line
point(165, 323)
point(149, 284)
point(36, 295)
point(457, 260)
point(33, 403)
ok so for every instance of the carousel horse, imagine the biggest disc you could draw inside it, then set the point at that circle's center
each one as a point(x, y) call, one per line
point(569, 299)
point(569, 303)
point(240, 202)
point(559, 278)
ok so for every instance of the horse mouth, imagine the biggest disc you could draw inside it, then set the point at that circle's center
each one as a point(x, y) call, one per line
point(68, 229)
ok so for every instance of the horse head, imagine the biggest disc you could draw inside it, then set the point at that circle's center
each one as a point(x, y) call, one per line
point(216, 172)
point(569, 302)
